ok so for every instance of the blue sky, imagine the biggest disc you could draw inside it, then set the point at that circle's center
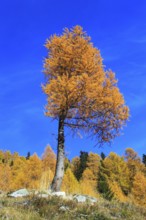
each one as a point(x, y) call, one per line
point(117, 28)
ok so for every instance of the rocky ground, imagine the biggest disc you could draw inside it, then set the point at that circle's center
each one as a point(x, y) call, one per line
point(44, 206)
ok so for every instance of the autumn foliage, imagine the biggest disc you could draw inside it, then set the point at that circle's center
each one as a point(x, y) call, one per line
point(81, 94)
point(121, 178)
point(79, 89)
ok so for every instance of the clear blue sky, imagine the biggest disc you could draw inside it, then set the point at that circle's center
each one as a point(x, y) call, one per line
point(117, 28)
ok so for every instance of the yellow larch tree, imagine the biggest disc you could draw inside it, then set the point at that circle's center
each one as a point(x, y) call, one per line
point(49, 159)
point(33, 171)
point(80, 93)
point(75, 164)
point(18, 173)
point(48, 168)
point(90, 175)
point(114, 172)
point(70, 184)
point(88, 183)
point(139, 189)
point(116, 192)
point(46, 179)
point(93, 162)
point(5, 178)
point(134, 164)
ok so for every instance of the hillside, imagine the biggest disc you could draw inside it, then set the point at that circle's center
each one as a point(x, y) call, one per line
point(33, 208)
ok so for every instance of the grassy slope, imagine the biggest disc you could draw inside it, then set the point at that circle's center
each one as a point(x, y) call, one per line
point(39, 208)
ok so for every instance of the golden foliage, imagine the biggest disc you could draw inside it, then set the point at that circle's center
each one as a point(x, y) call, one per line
point(89, 178)
point(70, 184)
point(114, 176)
point(75, 164)
point(134, 164)
point(46, 179)
point(18, 173)
point(93, 162)
point(139, 189)
point(49, 159)
point(130, 154)
point(116, 192)
point(33, 170)
point(5, 177)
point(116, 171)
point(87, 188)
point(88, 183)
point(79, 89)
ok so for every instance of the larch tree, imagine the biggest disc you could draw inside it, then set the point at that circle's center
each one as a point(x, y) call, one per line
point(90, 174)
point(81, 95)
point(18, 173)
point(70, 183)
point(49, 159)
point(134, 164)
point(48, 168)
point(33, 172)
point(139, 189)
point(114, 170)
point(5, 177)
point(75, 165)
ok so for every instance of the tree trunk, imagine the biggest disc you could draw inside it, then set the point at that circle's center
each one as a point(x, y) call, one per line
point(59, 172)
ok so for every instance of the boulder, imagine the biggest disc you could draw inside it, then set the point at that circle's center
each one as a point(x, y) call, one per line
point(91, 199)
point(60, 194)
point(43, 195)
point(19, 193)
point(79, 198)
point(84, 198)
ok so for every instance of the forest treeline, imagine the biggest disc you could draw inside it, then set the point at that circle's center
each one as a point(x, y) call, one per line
point(113, 176)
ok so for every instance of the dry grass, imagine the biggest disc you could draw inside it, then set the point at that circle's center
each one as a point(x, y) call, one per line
point(33, 208)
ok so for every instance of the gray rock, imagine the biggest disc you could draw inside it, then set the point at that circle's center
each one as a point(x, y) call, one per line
point(84, 198)
point(79, 198)
point(19, 193)
point(60, 194)
point(91, 199)
point(64, 208)
point(42, 195)
point(33, 192)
